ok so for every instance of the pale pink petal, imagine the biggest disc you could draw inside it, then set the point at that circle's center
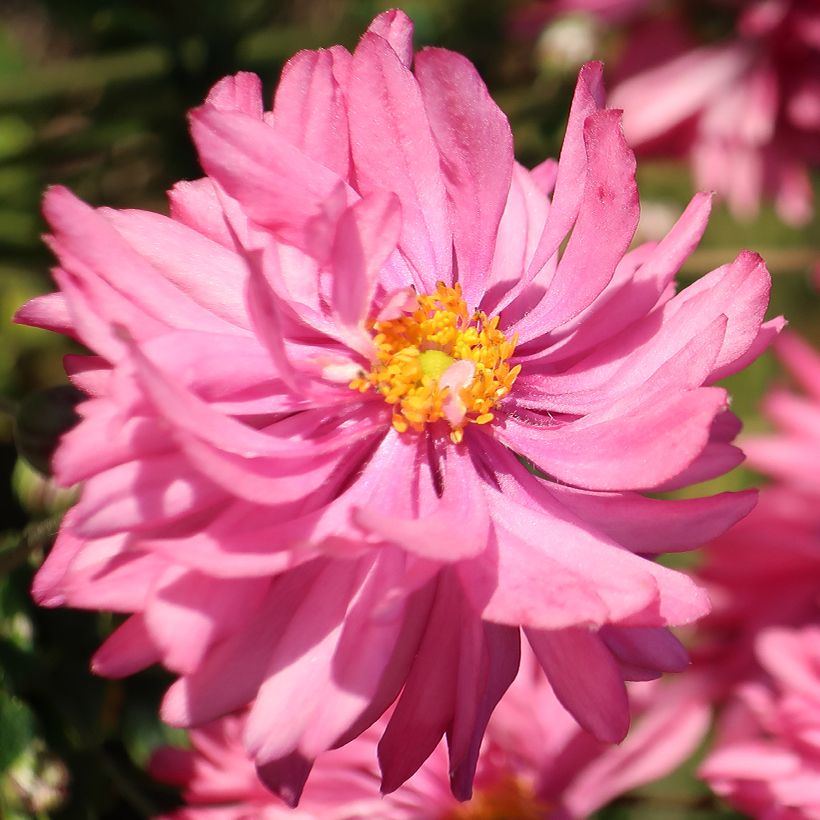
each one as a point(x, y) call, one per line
point(475, 144)
point(393, 149)
point(309, 107)
point(366, 235)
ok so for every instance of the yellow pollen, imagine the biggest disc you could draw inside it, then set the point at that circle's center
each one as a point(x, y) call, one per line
point(416, 349)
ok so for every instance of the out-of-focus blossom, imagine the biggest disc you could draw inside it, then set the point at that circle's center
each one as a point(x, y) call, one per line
point(766, 756)
point(313, 389)
point(746, 109)
point(756, 654)
point(535, 762)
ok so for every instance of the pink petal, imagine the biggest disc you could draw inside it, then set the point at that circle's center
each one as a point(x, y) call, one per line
point(475, 144)
point(189, 612)
point(202, 269)
point(585, 678)
point(127, 650)
point(240, 92)
point(393, 149)
point(619, 453)
point(652, 525)
point(86, 241)
point(572, 166)
point(309, 106)
point(48, 311)
point(140, 494)
point(663, 738)
point(279, 187)
point(605, 226)
point(366, 235)
point(459, 513)
point(397, 28)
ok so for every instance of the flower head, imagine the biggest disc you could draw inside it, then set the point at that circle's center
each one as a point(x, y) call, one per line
point(766, 758)
point(323, 384)
point(746, 109)
point(535, 763)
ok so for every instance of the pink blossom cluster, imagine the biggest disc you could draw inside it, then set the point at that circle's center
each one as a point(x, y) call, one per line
point(535, 763)
point(757, 655)
point(376, 400)
point(744, 109)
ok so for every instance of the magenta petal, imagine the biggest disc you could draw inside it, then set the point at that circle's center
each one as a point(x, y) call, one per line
point(489, 656)
point(646, 647)
point(585, 678)
point(424, 709)
point(393, 149)
point(652, 525)
point(286, 777)
point(475, 143)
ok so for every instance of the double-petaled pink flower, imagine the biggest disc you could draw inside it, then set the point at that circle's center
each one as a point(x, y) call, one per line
point(745, 109)
point(766, 757)
point(536, 763)
point(317, 389)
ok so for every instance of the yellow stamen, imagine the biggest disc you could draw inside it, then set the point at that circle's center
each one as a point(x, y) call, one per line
point(414, 350)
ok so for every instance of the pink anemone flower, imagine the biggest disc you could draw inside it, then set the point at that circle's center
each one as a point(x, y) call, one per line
point(536, 763)
point(746, 110)
point(318, 390)
point(766, 757)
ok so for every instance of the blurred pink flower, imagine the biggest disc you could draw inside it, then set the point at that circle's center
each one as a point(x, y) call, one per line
point(535, 762)
point(746, 110)
point(313, 389)
point(763, 578)
point(765, 571)
point(766, 756)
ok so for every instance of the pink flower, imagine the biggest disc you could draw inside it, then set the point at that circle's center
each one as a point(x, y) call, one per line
point(313, 388)
point(746, 110)
point(760, 641)
point(766, 571)
point(766, 759)
point(535, 762)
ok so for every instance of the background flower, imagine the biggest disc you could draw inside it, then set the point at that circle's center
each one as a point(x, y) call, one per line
point(743, 107)
point(535, 762)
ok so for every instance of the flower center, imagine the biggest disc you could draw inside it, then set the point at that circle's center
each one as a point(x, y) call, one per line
point(437, 361)
point(508, 798)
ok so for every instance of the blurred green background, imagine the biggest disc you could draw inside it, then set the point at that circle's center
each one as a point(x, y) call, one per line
point(93, 95)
